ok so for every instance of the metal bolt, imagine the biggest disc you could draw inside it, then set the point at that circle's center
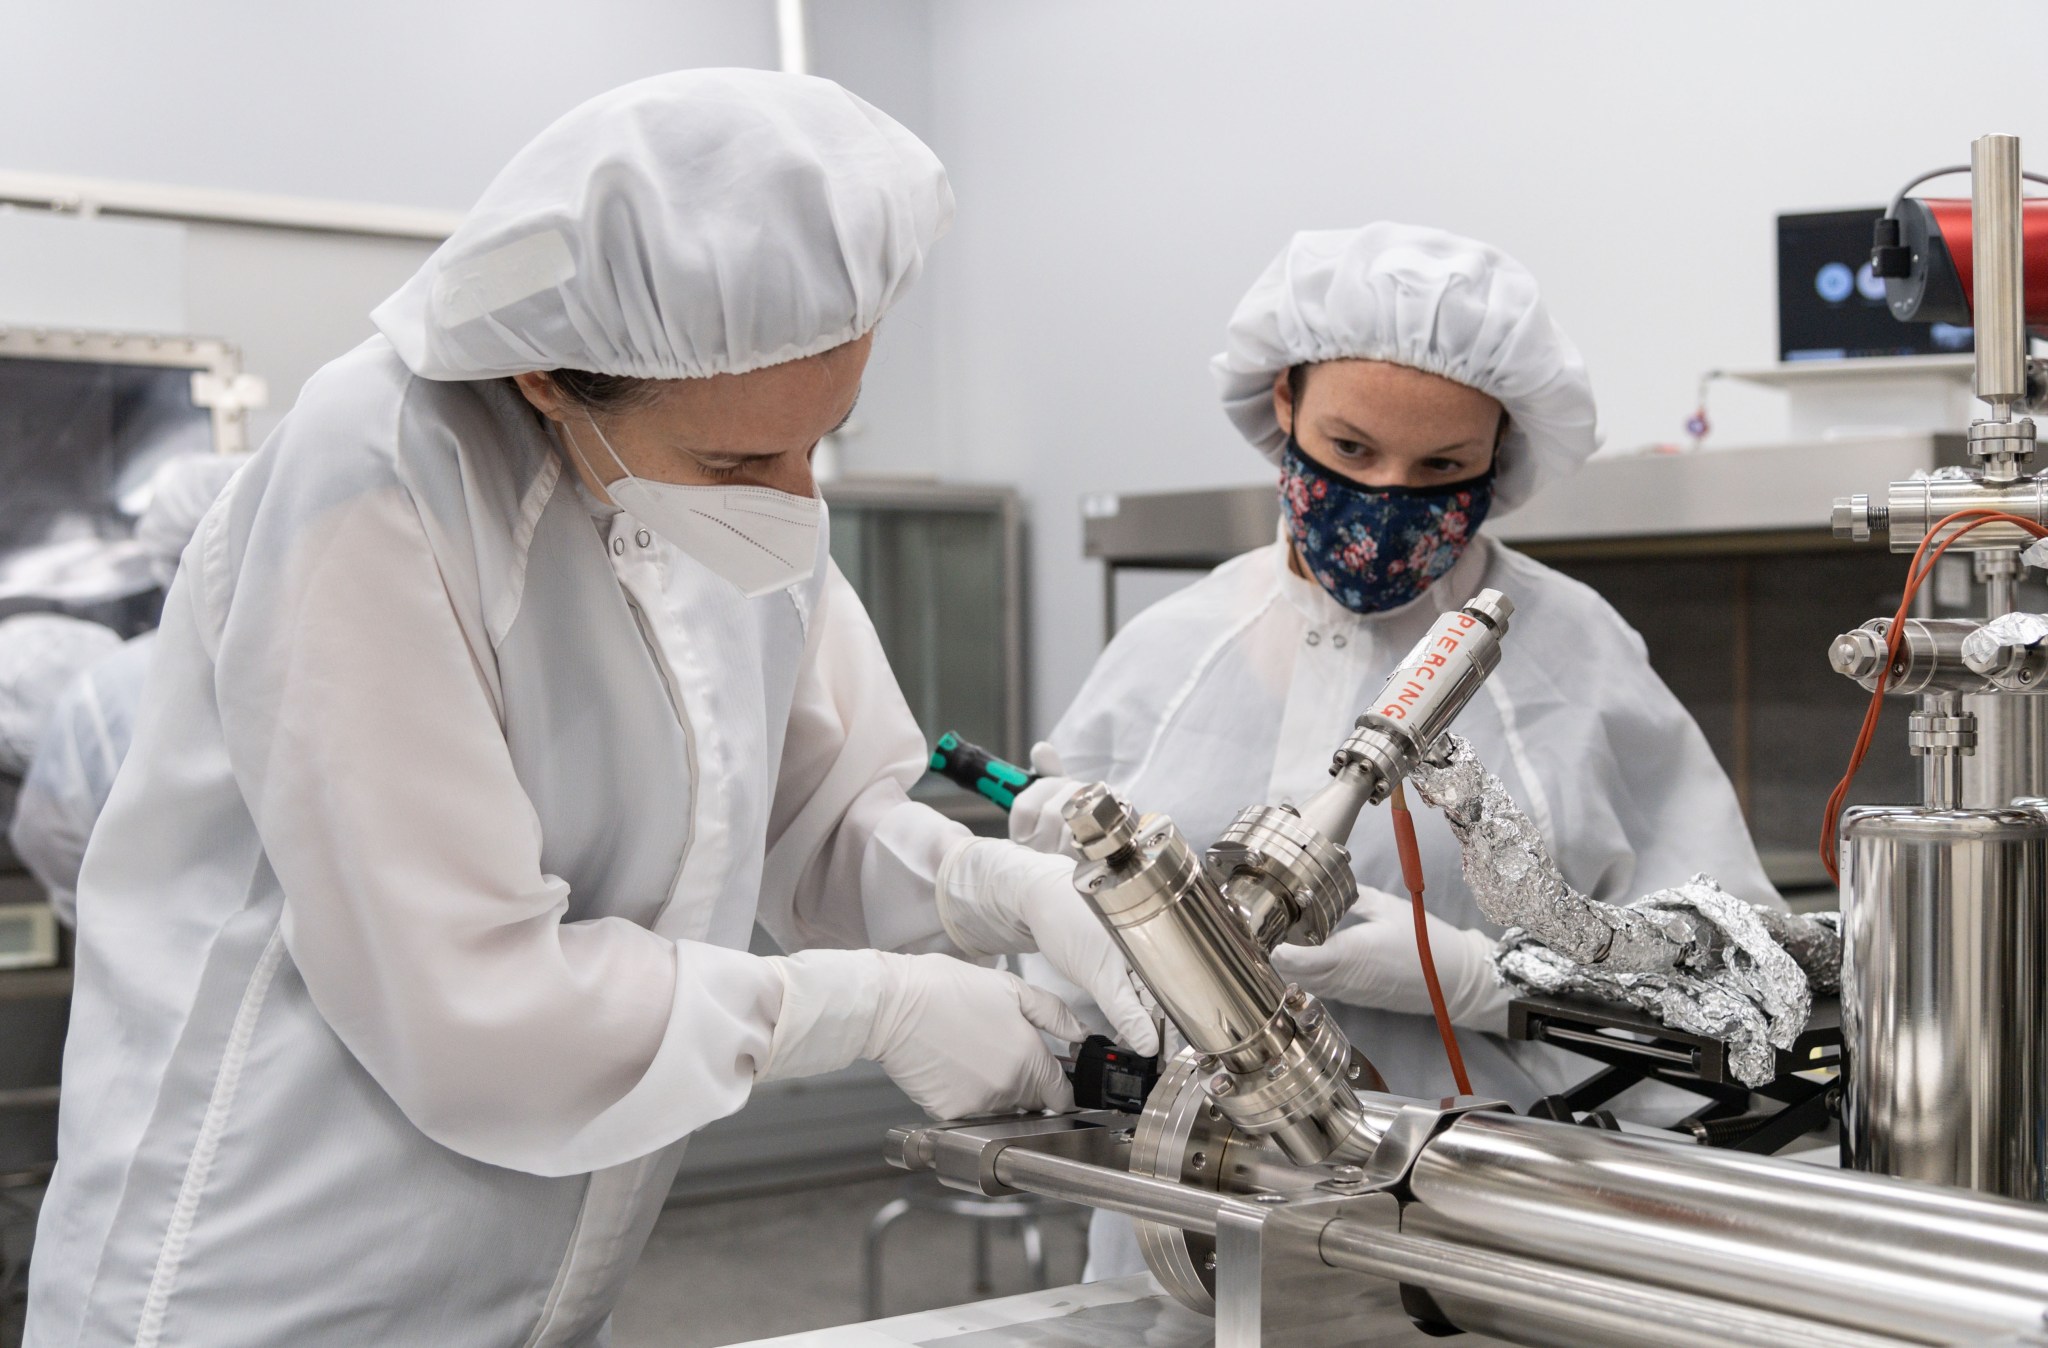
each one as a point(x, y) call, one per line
point(1856, 654)
point(1343, 1179)
point(1276, 1071)
point(1101, 824)
point(1296, 998)
point(1221, 1084)
point(1207, 1063)
point(1198, 1162)
point(1209, 1262)
point(1354, 1072)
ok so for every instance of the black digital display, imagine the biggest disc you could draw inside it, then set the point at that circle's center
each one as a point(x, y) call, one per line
point(1830, 306)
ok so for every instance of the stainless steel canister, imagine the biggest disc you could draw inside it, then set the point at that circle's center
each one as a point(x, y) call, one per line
point(2011, 757)
point(1945, 996)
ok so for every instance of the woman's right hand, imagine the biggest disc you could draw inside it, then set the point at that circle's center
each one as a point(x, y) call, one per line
point(961, 1039)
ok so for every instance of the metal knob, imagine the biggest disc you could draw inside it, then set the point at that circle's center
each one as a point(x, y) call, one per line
point(1101, 824)
point(1995, 660)
point(1855, 520)
point(1492, 607)
point(1857, 654)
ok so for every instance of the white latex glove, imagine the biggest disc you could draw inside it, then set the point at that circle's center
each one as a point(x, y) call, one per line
point(958, 1038)
point(1374, 963)
point(1035, 819)
point(996, 898)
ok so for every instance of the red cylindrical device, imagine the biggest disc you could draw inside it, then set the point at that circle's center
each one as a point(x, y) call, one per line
point(1938, 287)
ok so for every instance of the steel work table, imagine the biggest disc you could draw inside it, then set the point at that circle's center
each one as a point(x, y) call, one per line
point(1120, 1313)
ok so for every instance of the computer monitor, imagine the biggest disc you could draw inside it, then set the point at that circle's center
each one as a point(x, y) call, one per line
point(1830, 306)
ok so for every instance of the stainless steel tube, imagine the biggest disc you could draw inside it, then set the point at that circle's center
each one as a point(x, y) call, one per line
point(1276, 1063)
point(1518, 1292)
point(1097, 1186)
point(1188, 944)
point(1937, 1265)
point(1929, 659)
point(1999, 573)
point(1945, 996)
point(1531, 1301)
point(1912, 507)
point(1420, 699)
point(1996, 259)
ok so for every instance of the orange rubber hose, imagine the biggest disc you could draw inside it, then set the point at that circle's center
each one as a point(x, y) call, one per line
point(1411, 875)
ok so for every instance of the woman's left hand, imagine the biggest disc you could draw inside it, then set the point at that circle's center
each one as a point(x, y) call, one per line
point(1374, 962)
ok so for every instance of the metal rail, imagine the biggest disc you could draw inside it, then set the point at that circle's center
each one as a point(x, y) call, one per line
point(1877, 1254)
point(1594, 1307)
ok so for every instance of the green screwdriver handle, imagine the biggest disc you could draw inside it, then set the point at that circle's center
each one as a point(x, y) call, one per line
point(979, 771)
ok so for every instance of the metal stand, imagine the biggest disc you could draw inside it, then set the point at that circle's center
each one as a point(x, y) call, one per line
point(1636, 1048)
point(1026, 1212)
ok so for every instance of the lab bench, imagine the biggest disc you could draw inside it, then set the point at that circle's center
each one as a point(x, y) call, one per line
point(1111, 1314)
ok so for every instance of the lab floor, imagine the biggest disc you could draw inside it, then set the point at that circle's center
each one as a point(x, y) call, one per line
point(758, 1267)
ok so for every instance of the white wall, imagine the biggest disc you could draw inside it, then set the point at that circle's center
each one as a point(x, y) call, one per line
point(881, 50)
point(377, 101)
point(1124, 171)
point(413, 102)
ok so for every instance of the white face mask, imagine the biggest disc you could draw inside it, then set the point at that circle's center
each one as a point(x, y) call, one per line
point(760, 539)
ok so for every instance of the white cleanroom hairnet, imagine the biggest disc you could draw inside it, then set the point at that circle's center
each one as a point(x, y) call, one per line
point(698, 223)
point(179, 494)
point(40, 654)
point(1426, 299)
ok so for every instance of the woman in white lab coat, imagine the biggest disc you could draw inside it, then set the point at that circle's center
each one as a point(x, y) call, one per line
point(1407, 384)
point(500, 696)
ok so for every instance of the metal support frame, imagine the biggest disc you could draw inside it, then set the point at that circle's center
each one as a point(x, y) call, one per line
point(1635, 1048)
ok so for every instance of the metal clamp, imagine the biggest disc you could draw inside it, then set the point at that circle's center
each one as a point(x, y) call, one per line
point(1288, 880)
point(1412, 1128)
point(2001, 446)
point(1930, 732)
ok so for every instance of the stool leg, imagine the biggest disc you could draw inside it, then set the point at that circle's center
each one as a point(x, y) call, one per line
point(871, 1261)
point(1034, 1253)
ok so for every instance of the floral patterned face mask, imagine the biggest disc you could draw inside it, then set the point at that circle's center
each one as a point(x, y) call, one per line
point(1376, 548)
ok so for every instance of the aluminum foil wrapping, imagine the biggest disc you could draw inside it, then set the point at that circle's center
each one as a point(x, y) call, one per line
point(1695, 957)
point(1981, 647)
point(1509, 871)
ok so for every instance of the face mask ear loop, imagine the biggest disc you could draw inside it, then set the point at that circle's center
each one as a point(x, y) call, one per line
point(603, 440)
point(560, 429)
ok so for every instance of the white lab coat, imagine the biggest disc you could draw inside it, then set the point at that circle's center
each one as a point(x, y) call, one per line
point(413, 937)
point(1236, 691)
point(81, 748)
